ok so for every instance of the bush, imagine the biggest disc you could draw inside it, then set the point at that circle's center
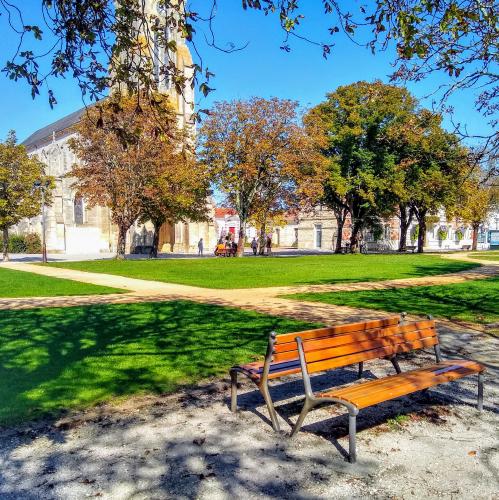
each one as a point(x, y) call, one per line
point(28, 243)
point(415, 233)
point(459, 234)
point(33, 243)
point(17, 244)
point(442, 233)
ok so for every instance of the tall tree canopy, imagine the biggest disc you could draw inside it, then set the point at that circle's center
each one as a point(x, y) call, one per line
point(86, 38)
point(260, 157)
point(432, 167)
point(356, 120)
point(18, 198)
point(129, 157)
point(475, 202)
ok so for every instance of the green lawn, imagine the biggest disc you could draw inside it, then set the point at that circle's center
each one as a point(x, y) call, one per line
point(24, 284)
point(65, 358)
point(490, 255)
point(475, 301)
point(250, 272)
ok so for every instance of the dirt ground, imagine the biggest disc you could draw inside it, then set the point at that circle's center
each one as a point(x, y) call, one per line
point(189, 445)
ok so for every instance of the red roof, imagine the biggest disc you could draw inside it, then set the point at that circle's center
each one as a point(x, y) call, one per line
point(222, 212)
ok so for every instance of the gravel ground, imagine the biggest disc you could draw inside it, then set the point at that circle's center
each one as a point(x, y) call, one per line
point(189, 445)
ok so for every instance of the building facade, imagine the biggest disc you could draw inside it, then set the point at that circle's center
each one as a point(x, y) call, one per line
point(71, 225)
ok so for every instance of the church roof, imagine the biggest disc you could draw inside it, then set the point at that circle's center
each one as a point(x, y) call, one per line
point(59, 128)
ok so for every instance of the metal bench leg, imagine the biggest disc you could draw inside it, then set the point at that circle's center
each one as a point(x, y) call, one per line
point(307, 406)
point(270, 405)
point(352, 431)
point(396, 365)
point(361, 369)
point(233, 391)
point(480, 391)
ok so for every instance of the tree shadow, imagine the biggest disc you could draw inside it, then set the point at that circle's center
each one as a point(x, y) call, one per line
point(58, 358)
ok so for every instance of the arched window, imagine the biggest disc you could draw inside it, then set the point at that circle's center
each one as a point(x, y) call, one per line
point(78, 210)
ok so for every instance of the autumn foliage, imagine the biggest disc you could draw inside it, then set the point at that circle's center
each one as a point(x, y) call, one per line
point(261, 158)
point(134, 159)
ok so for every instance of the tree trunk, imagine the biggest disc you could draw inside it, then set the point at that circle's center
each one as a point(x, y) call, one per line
point(261, 240)
point(422, 231)
point(354, 239)
point(474, 244)
point(120, 249)
point(242, 234)
point(155, 240)
point(340, 222)
point(405, 221)
point(5, 244)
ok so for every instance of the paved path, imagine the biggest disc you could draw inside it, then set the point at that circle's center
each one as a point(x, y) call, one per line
point(268, 300)
point(265, 299)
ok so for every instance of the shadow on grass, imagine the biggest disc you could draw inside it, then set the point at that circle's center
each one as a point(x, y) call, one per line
point(62, 358)
point(475, 301)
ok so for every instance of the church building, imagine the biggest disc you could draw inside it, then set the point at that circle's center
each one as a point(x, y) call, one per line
point(72, 227)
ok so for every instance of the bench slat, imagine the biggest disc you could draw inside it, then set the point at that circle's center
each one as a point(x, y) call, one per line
point(344, 339)
point(371, 354)
point(336, 330)
point(377, 391)
point(368, 345)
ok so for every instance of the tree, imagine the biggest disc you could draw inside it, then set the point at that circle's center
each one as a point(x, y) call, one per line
point(179, 193)
point(260, 157)
point(476, 201)
point(432, 167)
point(102, 43)
point(356, 120)
point(125, 150)
point(18, 198)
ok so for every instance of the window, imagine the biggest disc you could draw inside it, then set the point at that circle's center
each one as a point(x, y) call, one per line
point(78, 211)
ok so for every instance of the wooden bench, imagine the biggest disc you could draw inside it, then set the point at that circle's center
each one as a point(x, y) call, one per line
point(465, 247)
point(412, 248)
point(326, 354)
point(282, 357)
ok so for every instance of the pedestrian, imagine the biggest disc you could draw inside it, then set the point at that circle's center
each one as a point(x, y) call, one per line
point(269, 245)
point(254, 245)
point(200, 247)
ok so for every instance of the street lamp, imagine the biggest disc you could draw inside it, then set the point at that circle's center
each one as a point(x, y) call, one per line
point(43, 186)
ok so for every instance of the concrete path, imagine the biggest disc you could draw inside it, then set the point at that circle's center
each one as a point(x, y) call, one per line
point(189, 445)
point(455, 336)
point(262, 299)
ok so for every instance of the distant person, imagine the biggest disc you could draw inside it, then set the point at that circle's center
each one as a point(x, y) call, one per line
point(269, 245)
point(254, 246)
point(200, 247)
point(234, 249)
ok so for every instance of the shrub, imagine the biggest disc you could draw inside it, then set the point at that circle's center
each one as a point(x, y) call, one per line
point(415, 233)
point(33, 243)
point(459, 234)
point(442, 233)
point(27, 243)
point(17, 244)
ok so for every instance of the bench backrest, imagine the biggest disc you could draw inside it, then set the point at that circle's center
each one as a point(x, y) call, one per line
point(354, 347)
point(284, 347)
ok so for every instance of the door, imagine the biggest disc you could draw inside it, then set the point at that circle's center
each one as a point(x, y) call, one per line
point(318, 236)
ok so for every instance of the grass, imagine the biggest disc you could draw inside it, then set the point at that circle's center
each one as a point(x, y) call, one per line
point(398, 422)
point(489, 255)
point(24, 284)
point(473, 301)
point(251, 272)
point(66, 358)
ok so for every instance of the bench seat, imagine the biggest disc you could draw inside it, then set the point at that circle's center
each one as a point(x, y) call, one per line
point(279, 369)
point(372, 392)
point(282, 356)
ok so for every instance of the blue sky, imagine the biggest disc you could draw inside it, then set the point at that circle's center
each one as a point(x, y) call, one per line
point(260, 69)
